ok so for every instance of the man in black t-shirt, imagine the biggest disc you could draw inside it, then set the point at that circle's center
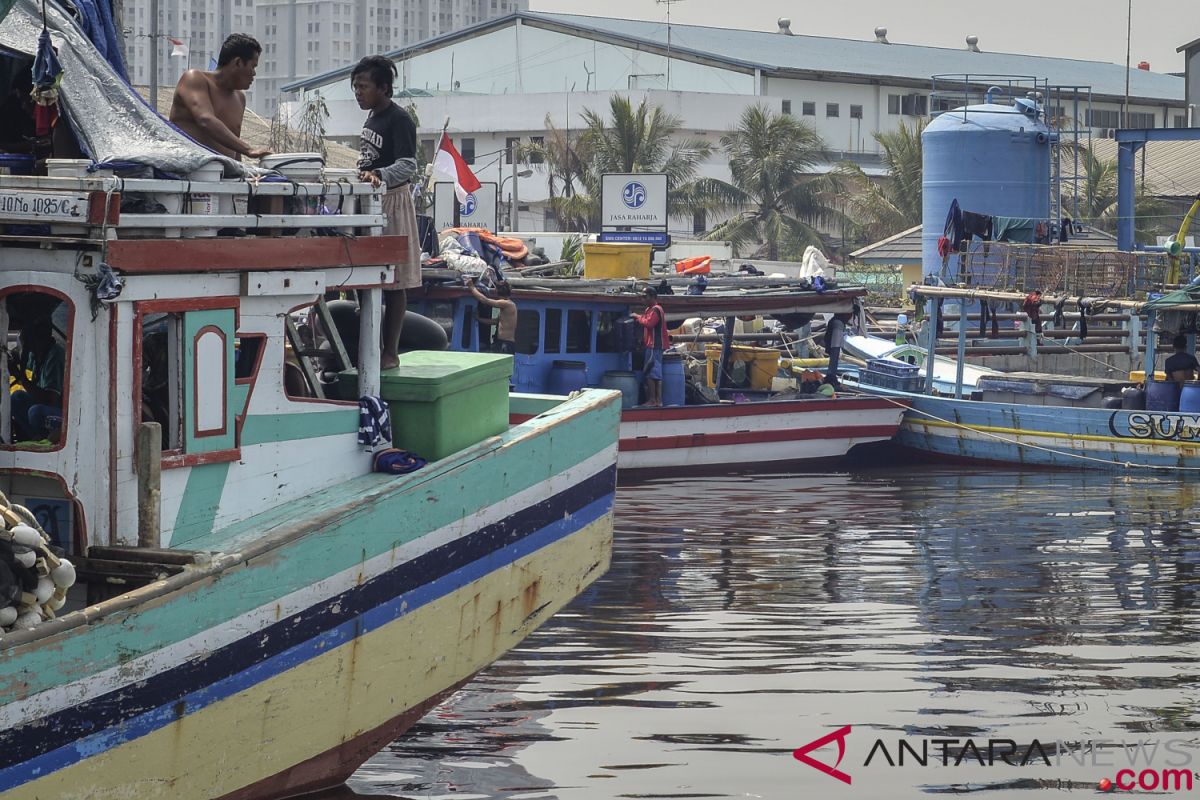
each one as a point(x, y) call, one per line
point(1182, 365)
point(388, 157)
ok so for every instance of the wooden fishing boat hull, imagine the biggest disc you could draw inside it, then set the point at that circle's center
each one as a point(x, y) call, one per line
point(317, 632)
point(746, 436)
point(1050, 436)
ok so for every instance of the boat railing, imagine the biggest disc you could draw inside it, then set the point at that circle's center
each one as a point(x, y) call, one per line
point(111, 207)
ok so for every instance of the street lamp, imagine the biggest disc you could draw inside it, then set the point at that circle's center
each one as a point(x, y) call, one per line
point(512, 204)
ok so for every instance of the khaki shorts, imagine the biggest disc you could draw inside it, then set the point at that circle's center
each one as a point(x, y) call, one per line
point(401, 217)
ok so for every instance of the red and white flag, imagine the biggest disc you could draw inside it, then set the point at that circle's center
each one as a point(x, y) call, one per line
point(449, 166)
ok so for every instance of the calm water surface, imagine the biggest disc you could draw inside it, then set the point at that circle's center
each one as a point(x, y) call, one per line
point(745, 617)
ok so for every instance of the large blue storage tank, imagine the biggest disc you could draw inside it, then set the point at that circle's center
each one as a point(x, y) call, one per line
point(994, 159)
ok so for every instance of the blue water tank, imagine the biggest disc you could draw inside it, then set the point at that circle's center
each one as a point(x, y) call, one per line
point(993, 158)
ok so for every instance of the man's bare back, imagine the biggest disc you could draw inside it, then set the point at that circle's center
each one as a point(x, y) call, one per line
point(209, 106)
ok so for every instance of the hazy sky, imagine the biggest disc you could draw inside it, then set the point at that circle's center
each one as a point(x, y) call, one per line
point(1087, 29)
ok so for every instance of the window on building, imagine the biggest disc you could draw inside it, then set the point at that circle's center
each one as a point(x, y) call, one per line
point(1180, 121)
point(540, 141)
point(893, 104)
point(467, 150)
point(699, 221)
point(914, 105)
point(855, 112)
point(511, 143)
point(787, 107)
point(832, 110)
point(808, 109)
point(1103, 118)
point(1142, 119)
point(427, 149)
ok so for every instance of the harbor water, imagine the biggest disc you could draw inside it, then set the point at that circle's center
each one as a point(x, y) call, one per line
point(998, 634)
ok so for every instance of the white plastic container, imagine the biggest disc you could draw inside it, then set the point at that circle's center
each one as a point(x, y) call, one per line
point(300, 167)
point(204, 202)
point(337, 188)
point(72, 168)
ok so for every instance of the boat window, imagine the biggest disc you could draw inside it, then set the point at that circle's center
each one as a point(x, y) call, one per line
point(161, 393)
point(246, 353)
point(606, 331)
point(552, 341)
point(579, 331)
point(37, 344)
point(529, 328)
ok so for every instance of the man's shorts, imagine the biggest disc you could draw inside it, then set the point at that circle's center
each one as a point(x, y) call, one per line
point(652, 367)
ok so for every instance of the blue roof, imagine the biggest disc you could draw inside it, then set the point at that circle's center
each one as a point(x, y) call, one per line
point(829, 57)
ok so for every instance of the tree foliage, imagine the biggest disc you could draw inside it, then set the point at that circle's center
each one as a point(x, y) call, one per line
point(879, 208)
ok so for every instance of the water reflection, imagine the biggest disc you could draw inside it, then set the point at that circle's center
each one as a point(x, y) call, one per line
point(744, 617)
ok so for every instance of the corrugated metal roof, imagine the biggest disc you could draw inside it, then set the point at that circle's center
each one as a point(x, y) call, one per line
point(828, 57)
point(1172, 169)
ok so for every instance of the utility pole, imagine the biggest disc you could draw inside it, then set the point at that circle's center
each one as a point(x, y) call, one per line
point(1128, 48)
point(154, 54)
point(668, 4)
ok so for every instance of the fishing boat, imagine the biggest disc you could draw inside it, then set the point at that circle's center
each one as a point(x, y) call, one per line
point(1051, 419)
point(576, 333)
point(253, 608)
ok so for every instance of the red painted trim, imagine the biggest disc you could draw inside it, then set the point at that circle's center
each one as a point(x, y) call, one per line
point(64, 432)
point(756, 437)
point(187, 304)
point(757, 409)
point(333, 767)
point(517, 419)
point(176, 458)
point(96, 202)
point(197, 433)
point(159, 256)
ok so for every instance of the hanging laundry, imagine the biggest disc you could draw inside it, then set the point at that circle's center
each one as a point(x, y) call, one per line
point(1084, 306)
point(983, 317)
point(374, 422)
point(1032, 306)
point(1060, 319)
point(1013, 229)
point(979, 225)
point(47, 76)
point(941, 318)
point(953, 229)
point(1064, 229)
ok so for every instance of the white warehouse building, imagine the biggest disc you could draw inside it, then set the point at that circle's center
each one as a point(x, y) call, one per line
point(498, 81)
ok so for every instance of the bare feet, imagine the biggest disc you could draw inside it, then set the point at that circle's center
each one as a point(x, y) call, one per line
point(389, 362)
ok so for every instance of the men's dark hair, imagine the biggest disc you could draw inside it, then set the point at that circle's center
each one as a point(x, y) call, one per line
point(1179, 342)
point(238, 45)
point(650, 292)
point(504, 289)
point(380, 70)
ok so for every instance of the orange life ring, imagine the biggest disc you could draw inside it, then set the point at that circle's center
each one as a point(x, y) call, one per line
point(694, 266)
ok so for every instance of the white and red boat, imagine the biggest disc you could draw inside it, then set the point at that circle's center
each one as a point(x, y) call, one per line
point(569, 336)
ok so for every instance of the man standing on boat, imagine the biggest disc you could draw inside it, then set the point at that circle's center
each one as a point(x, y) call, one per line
point(506, 325)
point(1182, 365)
point(388, 157)
point(209, 106)
point(656, 340)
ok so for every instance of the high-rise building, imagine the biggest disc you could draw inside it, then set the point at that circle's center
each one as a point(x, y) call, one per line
point(300, 38)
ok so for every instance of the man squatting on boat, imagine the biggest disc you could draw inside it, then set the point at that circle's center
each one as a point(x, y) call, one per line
point(388, 157)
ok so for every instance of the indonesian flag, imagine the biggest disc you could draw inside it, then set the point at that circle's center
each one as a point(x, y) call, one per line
point(449, 166)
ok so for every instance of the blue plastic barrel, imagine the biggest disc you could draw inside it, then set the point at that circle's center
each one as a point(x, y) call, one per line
point(1189, 398)
point(566, 377)
point(16, 164)
point(673, 380)
point(1162, 396)
point(625, 382)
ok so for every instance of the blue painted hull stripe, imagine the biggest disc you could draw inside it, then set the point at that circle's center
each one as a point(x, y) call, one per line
point(454, 565)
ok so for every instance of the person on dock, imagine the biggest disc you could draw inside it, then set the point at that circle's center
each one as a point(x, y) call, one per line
point(209, 106)
point(1182, 365)
point(506, 324)
point(656, 339)
point(388, 157)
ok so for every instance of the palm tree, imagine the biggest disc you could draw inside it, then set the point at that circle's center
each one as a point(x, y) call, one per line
point(883, 208)
point(641, 139)
point(1098, 199)
point(780, 200)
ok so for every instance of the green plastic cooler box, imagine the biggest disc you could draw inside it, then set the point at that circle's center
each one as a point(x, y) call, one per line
point(442, 401)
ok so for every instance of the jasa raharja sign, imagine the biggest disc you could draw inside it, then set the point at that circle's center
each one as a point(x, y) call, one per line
point(633, 200)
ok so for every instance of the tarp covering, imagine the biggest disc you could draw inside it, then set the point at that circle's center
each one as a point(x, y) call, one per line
point(5, 5)
point(1186, 296)
point(110, 120)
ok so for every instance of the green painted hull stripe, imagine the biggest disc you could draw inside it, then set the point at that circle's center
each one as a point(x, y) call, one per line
point(389, 511)
point(264, 428)
point(201, 499)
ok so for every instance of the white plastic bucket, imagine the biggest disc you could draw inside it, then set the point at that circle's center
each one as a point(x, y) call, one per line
point(204, 202)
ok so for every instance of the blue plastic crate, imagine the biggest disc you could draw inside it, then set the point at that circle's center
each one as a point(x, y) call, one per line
point(890, 366)
point(898, 383)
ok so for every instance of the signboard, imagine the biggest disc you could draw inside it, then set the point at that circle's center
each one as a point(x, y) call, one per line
point(633, 201)
point(478, 211)
point(656, 238)
point(43, 206)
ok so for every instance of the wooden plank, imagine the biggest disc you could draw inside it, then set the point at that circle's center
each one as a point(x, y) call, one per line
point(151, 555)
point(161, 256)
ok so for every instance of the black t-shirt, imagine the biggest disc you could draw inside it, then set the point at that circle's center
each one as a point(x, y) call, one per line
point(1180, 361)
point(387, 136)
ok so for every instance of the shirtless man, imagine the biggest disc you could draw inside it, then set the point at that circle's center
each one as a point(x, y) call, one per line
point(506, 330)
point(209, 106)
